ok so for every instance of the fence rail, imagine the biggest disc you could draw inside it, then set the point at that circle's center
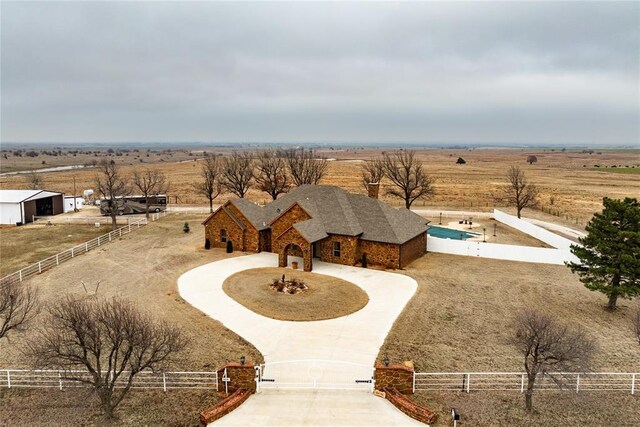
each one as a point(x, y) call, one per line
point(517, 381)
point(25, 378)
point(57, 259)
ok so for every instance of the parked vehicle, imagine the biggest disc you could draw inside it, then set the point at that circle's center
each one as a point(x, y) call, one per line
point(135, 204)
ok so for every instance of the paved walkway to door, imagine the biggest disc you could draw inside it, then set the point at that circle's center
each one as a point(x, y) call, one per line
point(355, 338)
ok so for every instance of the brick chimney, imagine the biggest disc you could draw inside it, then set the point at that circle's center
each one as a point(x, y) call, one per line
point(373, 188)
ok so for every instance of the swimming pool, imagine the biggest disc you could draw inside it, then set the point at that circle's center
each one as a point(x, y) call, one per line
point(450, 233)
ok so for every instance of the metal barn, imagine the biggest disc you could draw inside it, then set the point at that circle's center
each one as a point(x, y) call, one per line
point(18, 207)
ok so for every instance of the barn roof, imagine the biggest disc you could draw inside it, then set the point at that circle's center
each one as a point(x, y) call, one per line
point(17, 196)
point(336, 211)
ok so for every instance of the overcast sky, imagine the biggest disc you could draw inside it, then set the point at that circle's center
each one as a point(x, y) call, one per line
point(540, 72)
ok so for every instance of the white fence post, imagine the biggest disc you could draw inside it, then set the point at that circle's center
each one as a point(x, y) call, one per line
point(71, 252)
point(414, 380)
point(522, 384)
point(164, 381)
point(39, 267)
point(577, 383)
point(468, 382)
point(60, 379)
point(633, 383)
point(8, 379)
point(57, 260)
point(20, 275)
point(86, 246)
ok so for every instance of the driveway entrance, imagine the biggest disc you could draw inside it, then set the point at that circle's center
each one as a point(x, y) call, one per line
point(315, 374)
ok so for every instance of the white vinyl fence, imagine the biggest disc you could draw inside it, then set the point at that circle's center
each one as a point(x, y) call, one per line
point(559, 254)
point(24, 378)
point(499, 251)
point(91, 220)
point(63, 256)
point(517, 381)
point(533, 230)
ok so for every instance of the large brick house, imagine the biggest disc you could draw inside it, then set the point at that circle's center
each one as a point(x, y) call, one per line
point(324, 222)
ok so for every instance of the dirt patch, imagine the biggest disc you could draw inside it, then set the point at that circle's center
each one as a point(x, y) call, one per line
point(327, 297)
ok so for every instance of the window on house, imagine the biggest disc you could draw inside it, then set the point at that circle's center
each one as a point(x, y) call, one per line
point(336, 249)
point(223, 235)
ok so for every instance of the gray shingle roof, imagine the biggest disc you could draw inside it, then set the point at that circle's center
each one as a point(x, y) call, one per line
point(336, 211)
point(311, 229)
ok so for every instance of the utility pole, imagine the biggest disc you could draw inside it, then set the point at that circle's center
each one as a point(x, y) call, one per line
point(75, 205)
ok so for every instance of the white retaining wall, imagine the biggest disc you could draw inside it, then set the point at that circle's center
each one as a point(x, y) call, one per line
point(559, 254)
point(533, 230)
point(500, 251)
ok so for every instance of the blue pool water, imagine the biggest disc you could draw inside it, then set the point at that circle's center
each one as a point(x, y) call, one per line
point(449, 233)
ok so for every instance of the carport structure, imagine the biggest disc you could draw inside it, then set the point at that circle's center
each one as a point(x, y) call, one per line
point(20, 206)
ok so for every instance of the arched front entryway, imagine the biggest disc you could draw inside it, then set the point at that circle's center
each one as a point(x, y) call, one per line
point(293, 249)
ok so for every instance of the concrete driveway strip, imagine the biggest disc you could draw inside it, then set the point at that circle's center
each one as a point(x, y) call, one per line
point(355, 338)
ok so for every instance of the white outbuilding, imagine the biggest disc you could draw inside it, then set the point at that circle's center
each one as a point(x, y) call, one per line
point(20, 206)
point(72, 203)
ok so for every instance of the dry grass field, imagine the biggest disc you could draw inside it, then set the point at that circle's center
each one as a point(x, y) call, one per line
point(463, 322)
point(327, 297)
point(21, 246)
point(142, 266)
point(571, 188)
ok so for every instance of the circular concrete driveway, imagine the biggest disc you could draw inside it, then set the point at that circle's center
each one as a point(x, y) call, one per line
point(354, 339)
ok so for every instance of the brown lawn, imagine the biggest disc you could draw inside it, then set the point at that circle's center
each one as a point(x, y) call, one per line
point(326, 297)
point(460, 320)
point(22, 246)
point(142, 266)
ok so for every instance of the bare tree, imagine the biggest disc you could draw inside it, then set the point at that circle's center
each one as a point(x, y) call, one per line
point(635, 322)
point(518, 192)
point(209, 184)
point(271, 173)
point(372, 171)
point(108, 340)
point(549, 347)
point(111, 186)
point(407, 174)
point(150, 183)
point(18, 305)
point(304, 166)
point(35, 181)
point(532, 159)
point(237, 173)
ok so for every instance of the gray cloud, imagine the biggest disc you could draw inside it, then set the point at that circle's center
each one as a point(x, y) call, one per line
point(416, 72)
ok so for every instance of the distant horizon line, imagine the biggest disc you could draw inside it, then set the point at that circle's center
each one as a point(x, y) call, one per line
point(323, 144)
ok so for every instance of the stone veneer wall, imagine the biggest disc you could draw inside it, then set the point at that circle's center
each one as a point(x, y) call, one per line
point(251, 238)
point(291, 216)
point(222, 408)
point(222, 220)
point(409, 407)
point(242, 377)
point(395, 376)
point(413, 249)
point(348, 249)
point(279, 245)
point(383, 254)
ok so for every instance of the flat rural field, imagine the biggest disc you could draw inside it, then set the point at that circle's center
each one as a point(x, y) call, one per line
point(21, 246)
point(571, 186)
point(460, 320)
point(142, 266)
